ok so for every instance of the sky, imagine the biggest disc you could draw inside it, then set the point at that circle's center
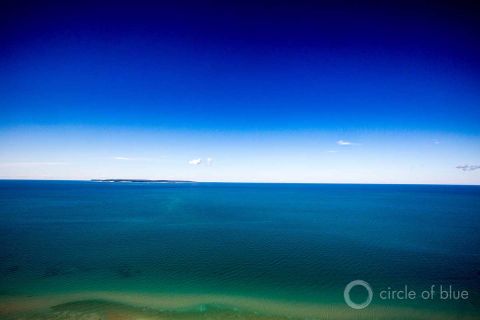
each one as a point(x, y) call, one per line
point(241, 91)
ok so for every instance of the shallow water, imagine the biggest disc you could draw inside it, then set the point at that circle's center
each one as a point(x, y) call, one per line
point(233, 250)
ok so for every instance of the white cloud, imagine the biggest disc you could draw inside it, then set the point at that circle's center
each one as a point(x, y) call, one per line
point(347, 143)
point(331, 151)
point(209, 161)
point(195, 162)
point(468, 167)
point(435, 141)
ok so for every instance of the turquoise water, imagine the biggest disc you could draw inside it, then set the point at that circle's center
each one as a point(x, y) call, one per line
point(288, 242)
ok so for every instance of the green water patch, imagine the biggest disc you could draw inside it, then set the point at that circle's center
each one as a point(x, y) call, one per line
point(108, 310)
point(116, 306)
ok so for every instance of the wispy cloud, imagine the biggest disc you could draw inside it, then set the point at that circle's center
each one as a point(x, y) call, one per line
point(347, 143)
point(435, 141)
point(195, 162)
point(26, 164)
point(468, 167)
point(131, 159)
point(209, 161)
point(331, 151)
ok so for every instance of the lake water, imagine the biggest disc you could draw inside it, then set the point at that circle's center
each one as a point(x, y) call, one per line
point(99, 250)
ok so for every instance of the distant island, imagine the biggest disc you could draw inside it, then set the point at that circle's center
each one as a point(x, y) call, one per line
point(141, 180)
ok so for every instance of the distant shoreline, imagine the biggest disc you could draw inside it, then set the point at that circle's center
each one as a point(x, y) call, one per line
point(141, 180)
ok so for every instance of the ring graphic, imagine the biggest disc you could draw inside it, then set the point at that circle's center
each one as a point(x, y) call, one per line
point(348, 300)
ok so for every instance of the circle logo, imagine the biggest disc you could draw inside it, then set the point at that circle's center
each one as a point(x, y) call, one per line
point(348, 300)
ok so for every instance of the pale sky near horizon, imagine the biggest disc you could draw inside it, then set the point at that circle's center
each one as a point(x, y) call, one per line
point(310, 156)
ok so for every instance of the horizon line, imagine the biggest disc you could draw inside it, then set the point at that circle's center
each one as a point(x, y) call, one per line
point(242, 182)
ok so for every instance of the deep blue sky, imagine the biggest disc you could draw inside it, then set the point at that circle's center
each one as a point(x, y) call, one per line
point(295, 74)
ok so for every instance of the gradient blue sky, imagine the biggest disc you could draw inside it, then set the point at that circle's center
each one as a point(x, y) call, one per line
point(370, 92)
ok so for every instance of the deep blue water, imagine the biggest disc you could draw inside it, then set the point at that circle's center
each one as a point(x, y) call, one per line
point(301, 241)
